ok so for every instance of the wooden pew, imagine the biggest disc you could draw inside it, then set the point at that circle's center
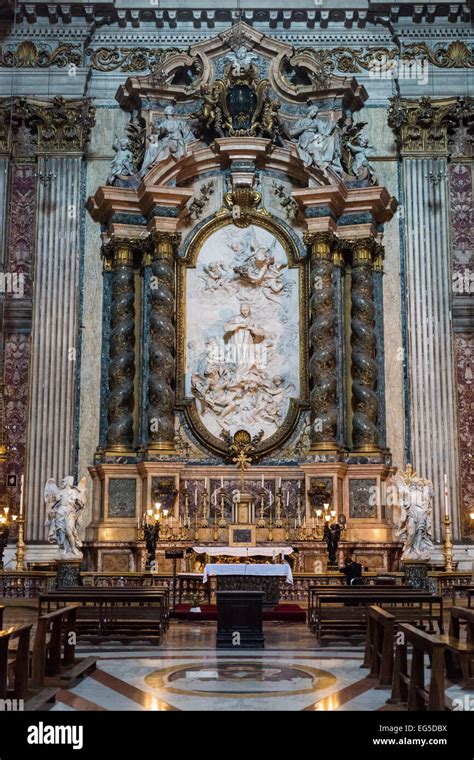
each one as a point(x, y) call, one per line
point(123, 614)
point(378, 654)
point(341, 613)
point(459, 655)
point(316, 591)
point(409, 684)
point(54, 660)
point(15, 662)
point(103, 592)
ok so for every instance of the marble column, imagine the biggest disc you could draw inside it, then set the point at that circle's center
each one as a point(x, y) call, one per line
point(162, 347)
point(121, 374)
point(50, 432)
point(365, 436)
point(322, 337)
point(430, 339)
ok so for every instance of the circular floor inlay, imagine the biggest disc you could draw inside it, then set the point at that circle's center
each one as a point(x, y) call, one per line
point(240, 678)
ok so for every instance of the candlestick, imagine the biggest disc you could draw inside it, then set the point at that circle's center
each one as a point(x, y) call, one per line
point(446, 506)
point(448, 546)
point(20, 544)
point(222, 521)
point(21, 495)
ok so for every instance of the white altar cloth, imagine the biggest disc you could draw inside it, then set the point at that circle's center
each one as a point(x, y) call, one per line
point(242, 569)
point(243, 551)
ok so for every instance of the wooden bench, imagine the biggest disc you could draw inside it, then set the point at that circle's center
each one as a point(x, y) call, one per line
point(344, 611)
point(54, 660)
point(122, 614)
point(409, 684)
point(344, 614)
point(14, 662)
point(459, 655)
point(104, 592)
point(315, 591)
point(379, 654)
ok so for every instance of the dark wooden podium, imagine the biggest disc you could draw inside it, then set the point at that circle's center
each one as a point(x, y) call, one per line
point(239, 620)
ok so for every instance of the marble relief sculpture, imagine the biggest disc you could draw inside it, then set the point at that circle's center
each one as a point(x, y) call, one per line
point(169, 137)
point(415, 525)
point(241, 60)
point(318, 141)
point(238, 367)
point(64, 507)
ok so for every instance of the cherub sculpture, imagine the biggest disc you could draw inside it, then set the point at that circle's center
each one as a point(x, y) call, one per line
point(361, 166)
point(122, 163)
point(64, 506)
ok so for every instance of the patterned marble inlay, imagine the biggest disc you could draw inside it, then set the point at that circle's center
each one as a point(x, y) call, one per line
point(122, 493)
point(360, 501)
point(240, 678)
point(464, 348)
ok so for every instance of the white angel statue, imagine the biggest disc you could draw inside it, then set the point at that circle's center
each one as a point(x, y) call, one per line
point(64, 506)
point(241, 59)
point(416, 525)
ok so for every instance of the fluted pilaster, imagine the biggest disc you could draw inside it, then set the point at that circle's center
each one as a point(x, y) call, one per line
point(121, 372)
point(365, 436)
point(322, 336)
point(161, 381)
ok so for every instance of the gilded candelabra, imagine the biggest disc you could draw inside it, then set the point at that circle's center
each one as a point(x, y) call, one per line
point(222, 520)
point(205, 510)
point(261, 518)
point(20, 544)
point(278, 519)
point(448, 545)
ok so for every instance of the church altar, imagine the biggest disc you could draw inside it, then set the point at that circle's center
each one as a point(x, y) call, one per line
point(250, 577)
point(272, 571)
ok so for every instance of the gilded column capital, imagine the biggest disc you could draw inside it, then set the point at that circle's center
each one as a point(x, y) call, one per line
point(422, 126)
point(118, 252)
point(363, 251)
point(164, 244)
point(321, 244)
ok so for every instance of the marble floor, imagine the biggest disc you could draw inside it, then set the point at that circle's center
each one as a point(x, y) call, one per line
point(188, 673)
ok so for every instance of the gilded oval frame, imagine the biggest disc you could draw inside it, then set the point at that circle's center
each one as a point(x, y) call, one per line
point(187, 261)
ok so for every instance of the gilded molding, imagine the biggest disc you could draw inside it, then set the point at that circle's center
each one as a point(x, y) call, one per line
point(352, 60)
point(129, 59)
point(165, 244)
point(28, 56)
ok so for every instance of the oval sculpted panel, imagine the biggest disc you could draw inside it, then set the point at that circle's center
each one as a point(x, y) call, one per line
point(242, 331)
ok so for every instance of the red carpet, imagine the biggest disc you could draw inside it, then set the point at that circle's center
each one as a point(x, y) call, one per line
point(288, 613)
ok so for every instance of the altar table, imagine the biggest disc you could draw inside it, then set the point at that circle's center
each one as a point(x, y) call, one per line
point(242, 577)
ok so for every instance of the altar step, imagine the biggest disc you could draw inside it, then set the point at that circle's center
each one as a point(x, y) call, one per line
point(285, 613)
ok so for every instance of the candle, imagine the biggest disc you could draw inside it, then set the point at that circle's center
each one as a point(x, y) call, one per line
point(21, 495)
point(222, 482)
point(287, 498)
point(279, 483)
point(205, 483)
point(263, 481)
point(312, 522)
point(195, 497)
point(446, 507)
point(299, 485)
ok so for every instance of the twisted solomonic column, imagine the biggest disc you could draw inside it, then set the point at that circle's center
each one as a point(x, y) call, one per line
point(121, 374)
point(161, 381)
point(322, 337)
point(365, 436)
